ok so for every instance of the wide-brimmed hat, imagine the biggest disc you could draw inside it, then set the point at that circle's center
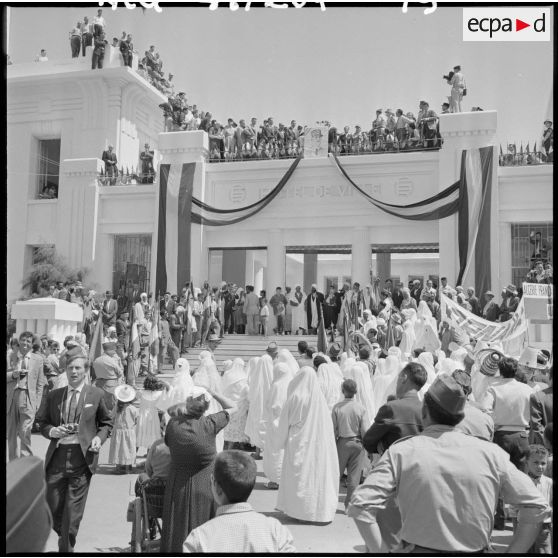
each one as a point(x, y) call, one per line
point(533, 358)
point(448, 394)
point(125, 393)
point(489, 293)
point(549, 121)
point(511, 289)
point(488, 360)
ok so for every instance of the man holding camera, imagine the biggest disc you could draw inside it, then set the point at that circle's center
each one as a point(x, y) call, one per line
point(76, 421)
point(458, 88)
point(24, 391)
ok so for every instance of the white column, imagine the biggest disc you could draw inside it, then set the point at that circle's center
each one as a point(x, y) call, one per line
point(504, 258)
point(275, 262)
point(361, 256)
point(41, 327)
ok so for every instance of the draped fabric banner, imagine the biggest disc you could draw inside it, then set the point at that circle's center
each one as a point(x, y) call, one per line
point(479, 328)
point(470, 197)
point(214, 217)
point(176, 185)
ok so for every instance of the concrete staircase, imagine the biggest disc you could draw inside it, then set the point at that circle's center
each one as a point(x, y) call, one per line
point(237, 346)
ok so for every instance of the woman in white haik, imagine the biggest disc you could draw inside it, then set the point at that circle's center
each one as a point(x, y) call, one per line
point(364, 395)
point(259, 386)
point(273, 457)
point(330, 380)
point(309, 485)
point(181, 386)
point(299, 314)
point(385, 379)
point(285, 356)
point(234, 384)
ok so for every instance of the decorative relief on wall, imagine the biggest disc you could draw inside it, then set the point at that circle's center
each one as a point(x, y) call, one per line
point(404, 186)
point(237, 194)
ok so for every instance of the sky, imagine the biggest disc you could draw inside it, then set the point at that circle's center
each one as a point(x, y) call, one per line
point(304, 64)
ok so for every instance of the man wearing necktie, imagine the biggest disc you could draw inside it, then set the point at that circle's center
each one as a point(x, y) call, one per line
point(24, 391)
point(76, 421)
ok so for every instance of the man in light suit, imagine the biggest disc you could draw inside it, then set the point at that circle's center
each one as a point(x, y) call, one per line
point(76, 421)
point(24, 391)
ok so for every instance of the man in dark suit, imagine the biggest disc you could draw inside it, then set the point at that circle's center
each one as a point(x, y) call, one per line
point(491, 310)
point(110, 307)
point(76, 421)
point(473, 301)
point(400, 417)
point(24, 391)
point(110, 160)
point(396, 419)
point(127, 50)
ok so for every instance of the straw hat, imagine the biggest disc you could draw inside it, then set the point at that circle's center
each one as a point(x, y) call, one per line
point(125, 393)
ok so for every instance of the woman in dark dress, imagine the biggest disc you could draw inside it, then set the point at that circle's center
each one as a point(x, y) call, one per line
point(190, 437)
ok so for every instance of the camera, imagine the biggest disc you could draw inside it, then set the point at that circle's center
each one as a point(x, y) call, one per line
point(449, 76)
point(72, 428)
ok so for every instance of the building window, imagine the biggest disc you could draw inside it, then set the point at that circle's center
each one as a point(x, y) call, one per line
point(48, 173)
point(132, 263)
point(531, 242)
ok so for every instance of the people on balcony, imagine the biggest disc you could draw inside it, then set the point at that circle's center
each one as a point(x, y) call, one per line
point(548, 140)
point(86, 35)
point(127, 51)
point(42, 56)
point(147, 169)
point(75, 40)
point(110, 160)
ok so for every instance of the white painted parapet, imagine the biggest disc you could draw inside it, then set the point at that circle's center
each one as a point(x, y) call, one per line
point(54, 317)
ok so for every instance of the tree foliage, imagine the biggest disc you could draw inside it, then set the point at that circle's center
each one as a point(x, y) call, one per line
point(49, 268)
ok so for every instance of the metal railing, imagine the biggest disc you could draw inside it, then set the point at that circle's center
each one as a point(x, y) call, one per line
point(278, 152)
point(126, 179)
point(523, 159)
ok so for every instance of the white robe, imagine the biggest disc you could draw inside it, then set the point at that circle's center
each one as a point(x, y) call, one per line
point(299, 314)
point(234, 384)
point(285, 356)
point(330, 380)
point(273, 457)
point(385, 379)
point(259, 386)
point(309, 484)
point(181, 386)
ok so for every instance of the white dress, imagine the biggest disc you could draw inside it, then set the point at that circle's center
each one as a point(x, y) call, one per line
point(148, 428)
point(309, 485)
point(273, 456)
point(259, 385)
point(299, 314)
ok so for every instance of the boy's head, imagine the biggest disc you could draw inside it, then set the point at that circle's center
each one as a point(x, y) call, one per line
point(234, 476)
point(302, 346)
point(349, 388)
point(536, 460)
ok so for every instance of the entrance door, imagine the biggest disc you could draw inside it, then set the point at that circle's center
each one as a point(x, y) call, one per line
point(238, 265)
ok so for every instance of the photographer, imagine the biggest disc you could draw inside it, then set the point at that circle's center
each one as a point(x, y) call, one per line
point(458, 88)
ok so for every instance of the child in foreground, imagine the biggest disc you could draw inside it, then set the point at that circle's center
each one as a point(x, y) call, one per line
point(237, 527)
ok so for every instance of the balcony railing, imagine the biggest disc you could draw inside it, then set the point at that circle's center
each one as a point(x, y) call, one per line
point(523, 159)
point(126, 179)
point(275, 153)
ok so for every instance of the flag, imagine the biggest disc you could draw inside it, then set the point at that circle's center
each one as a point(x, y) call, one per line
point(322, 337)
point(521, 149)
point(475, 227)
point(174, 225)
point(346, 336)
point(133, 349)
point(501, 157)
point(390, 335)
point(535, 147)
point(527, 148)
point(154, 332)
point(96, 347)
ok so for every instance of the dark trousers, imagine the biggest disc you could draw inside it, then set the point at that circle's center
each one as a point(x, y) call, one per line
point(229, 320)
point(68, 478)
point(280, 323)
point(516, 444)
point(330, 316)
point(97, 60)
point(86, 40)
point(75, 44)
point(350, 453)
point(127, 57)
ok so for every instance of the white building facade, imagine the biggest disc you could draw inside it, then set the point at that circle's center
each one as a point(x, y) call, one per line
point(319, 229)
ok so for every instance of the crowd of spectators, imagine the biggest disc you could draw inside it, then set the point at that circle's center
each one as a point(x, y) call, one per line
point(390, 131)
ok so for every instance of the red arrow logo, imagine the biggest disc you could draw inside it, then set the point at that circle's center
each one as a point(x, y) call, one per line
point(519, 25)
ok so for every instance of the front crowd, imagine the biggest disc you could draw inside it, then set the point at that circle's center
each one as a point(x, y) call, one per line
point(408, 410)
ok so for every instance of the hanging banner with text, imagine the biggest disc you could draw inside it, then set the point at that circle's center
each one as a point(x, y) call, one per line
point(480, 329)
